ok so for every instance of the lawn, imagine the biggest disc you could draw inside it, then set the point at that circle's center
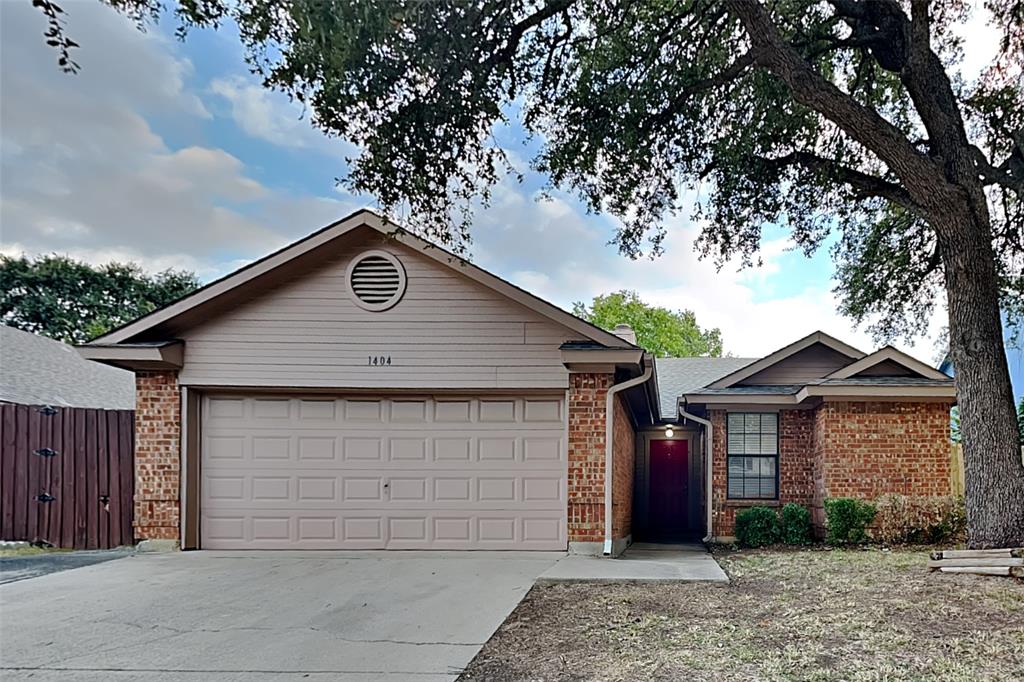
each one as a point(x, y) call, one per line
point(785, 615)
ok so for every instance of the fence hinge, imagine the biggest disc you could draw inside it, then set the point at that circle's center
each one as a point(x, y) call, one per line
point(45, 497)
point(46, 452)
point(48, 410)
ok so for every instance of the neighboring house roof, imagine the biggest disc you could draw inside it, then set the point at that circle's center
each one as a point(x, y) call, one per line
point(362, 218)
point(678, 376)
point(35, 370)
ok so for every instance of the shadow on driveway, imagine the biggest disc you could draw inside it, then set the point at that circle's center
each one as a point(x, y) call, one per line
point(15, 568)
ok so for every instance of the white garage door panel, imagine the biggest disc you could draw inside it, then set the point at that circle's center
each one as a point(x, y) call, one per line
point(358, 473)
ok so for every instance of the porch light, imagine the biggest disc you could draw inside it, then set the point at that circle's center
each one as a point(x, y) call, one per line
point(669, 432)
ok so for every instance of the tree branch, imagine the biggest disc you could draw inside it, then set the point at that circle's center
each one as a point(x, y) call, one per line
point(866, 126)
point(864, 184)
point(504, 56)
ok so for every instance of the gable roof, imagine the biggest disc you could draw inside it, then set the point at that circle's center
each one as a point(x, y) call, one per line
point(35, 370)
point(888, 354)
point(679, 376)
point(361, 218)
point(818, 337)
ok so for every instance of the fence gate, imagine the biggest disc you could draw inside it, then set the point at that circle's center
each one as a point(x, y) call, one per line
point(66, 475)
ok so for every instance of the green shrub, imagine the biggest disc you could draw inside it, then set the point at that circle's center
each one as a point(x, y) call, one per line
point(919, 520)
point(795, 524)
point(757, 527)
point(847, 520)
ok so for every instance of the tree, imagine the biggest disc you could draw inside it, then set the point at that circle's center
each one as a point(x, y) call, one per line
point(824, 116)
point(1020, 421)
point(74, 302)
point(660, 331)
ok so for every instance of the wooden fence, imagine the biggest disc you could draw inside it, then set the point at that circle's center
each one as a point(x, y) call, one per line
point(956, 462)
point(956, 468)
point(66, 475)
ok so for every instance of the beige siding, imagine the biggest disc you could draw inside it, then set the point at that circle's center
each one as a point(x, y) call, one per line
point(813, 362)
point(447, 332)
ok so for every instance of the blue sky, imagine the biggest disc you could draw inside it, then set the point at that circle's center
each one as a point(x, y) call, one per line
point(170, 154)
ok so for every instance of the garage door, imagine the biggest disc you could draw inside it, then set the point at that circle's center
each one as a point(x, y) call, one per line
point(395, 473)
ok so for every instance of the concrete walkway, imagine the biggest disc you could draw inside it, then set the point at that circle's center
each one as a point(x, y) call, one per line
point(641, 562)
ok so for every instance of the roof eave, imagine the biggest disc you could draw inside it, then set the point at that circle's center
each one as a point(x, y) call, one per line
point(383, 225)
point(136, 357)
point(939, 391)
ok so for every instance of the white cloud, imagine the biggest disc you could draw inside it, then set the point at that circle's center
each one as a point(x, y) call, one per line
point(262, 115)
point(561, 254)
point(270, 116)
point(83, 173)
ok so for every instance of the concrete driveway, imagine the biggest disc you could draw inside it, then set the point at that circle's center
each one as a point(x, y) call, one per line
point(263, 615)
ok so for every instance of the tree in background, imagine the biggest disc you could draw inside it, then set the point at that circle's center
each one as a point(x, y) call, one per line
point(660, 331)
point(1020, 420)
point(819, 115)
point(74, 302)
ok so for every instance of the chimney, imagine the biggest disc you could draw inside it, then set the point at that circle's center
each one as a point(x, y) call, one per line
point(625, 332)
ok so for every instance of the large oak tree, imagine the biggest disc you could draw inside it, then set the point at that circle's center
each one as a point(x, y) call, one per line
point(827, 116)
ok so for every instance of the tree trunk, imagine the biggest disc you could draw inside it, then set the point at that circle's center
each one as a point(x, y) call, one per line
point(993, 473)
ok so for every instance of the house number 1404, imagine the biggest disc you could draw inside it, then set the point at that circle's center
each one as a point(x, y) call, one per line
point(378, 360)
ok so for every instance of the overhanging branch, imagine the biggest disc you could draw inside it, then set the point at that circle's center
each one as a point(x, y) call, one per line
point(863, 184)
point(810, 88)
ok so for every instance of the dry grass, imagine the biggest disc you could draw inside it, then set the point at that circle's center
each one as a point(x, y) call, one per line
point(786, 615)
point(28, 550)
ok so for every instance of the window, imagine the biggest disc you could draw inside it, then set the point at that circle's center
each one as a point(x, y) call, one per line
point(753, 447)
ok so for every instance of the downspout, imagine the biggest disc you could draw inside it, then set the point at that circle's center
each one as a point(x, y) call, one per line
point(609, 455)
point(710, 430)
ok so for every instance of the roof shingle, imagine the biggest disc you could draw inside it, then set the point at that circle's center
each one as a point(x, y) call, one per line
point(35, 370)
point(678, 376)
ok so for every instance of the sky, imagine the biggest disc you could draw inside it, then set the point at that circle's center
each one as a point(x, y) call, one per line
point(171, 154)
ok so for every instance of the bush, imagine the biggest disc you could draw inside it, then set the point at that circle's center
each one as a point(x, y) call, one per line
point(847, 520)
point(919, 520)
point(757, 527)
point(795, 524)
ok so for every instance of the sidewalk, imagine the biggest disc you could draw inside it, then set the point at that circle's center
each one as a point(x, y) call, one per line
point(641, 562)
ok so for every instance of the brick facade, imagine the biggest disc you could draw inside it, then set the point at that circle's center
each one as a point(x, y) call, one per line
point(845, 449)
point(157, 455)
point(868, 449)
point(587, 395)
point(623, 471)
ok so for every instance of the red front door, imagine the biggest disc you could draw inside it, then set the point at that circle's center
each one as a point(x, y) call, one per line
point(669, 479)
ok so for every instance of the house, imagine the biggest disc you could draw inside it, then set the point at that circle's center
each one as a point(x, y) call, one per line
point(66, 429)
point(362, 388)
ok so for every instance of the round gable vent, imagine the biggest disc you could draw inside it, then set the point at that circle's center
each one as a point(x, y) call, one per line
point(376, 280)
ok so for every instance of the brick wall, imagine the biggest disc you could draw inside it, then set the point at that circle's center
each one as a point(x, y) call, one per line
point(587, 393)
point(873, 448)
point(623, 471)
point(157, 455)
point(796, 466)
point(847, 449)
